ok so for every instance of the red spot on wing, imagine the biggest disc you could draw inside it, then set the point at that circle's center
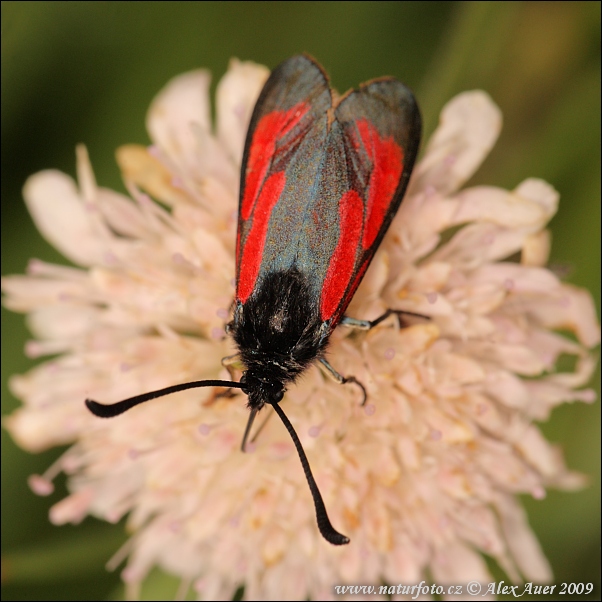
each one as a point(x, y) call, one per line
point(342, 264)
point(253, 249)
point(359, 223)
point(269, 130)
point(386, 157)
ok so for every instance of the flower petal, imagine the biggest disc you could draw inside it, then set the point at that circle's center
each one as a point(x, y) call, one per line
point(522, 542)
point(182, 102)
point(60, 215)
point(469, 126)
point(237, 93)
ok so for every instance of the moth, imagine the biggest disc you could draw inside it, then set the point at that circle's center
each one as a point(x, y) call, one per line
point(322, 177)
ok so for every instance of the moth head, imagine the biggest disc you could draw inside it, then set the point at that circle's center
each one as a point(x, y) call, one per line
point(262, 389)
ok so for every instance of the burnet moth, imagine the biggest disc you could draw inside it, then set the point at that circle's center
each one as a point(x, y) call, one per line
point(322, 177)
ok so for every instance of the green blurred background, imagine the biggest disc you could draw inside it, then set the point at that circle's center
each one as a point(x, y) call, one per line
point(86, 72)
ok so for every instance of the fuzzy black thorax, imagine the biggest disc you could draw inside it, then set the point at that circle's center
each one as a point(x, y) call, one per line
point(278, 333)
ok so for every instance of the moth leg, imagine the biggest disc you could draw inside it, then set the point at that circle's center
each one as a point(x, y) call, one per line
point(243, 446)
point(229, 362)
point(368, 324)
point(342, 380)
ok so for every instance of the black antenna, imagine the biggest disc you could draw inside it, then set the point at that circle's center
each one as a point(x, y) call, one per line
point(329, 533)
point(114, 409)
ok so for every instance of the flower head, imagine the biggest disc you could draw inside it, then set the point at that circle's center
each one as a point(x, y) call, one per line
point(422, 478)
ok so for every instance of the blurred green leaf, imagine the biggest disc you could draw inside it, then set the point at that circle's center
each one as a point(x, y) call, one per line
point(45, 561)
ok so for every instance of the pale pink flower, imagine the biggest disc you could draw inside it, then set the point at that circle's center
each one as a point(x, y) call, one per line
point(422, 479)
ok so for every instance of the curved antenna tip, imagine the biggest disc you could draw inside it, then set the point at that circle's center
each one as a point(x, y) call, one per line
point(102, 411)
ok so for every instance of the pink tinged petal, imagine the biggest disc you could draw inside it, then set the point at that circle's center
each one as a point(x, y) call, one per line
point(536, 249)
point(60, 215)
point(149, 299)
point(539, 453)
point(236, 94)
point(25, 293)
point(431, 277)
point(540, 192)
point(507, 388)
point(447, 429)
point(37, 267)
point(121, 214)
point(479, 243)
point(73, 509)
point(402, 566)
point(181, 557)
point(469, 126)
point(457, 563)
point(550, 346)
point(480, 299)
point(210, 160)
point(31, 431)
point(572, 309)
point(426, 304)
point(499, 461)
point(546, 394)
point(498, 206)
point(458, 369)
point(39, 485)
point(522, 542)
point(479, 526)
point(415, 230)
point(35, 349)
point(571, 481)
point(63, 322)
point(515, 358)
point(212, 253)
point(582, 374)
point(517, 279)
point(182, 102)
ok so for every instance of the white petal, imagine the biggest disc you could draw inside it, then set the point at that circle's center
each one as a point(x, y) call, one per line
point(63, 322)
point(60, 215)
point(237, 93)
point(517, 279)
point(522, 542)
point(469, 126)
point(510, 209)
point(572, 309)
point(121, 214)
point(540, 192)
point(182, 102)
point(538, 452)
point(480, 243)
point(507, 388)
point(457, 563)
point(25, 293)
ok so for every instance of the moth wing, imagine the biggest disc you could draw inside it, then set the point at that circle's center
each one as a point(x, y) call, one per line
point(290, 113)
point(377, 133)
